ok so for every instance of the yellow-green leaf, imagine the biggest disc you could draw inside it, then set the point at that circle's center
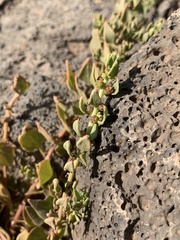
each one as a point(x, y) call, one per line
point(44, 171)
point(85, 71)
point(37, 233)
point(7, 153)
point(20, 84)
point(31, 139)
point(4, 235)
point(5, 196)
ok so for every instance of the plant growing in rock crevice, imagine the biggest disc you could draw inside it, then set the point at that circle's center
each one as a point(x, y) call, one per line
point(53, 205)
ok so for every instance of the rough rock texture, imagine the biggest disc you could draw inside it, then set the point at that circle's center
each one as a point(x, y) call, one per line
point(134, 169)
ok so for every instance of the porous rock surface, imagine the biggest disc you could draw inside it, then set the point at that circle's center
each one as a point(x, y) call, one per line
point(133, 172)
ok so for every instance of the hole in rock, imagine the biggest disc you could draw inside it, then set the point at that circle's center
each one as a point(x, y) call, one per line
point(118, 179)
point(153, 167)
point(171, 209)
point(109, 184)
point(155, 134)
point(140, 163)
point(133, 99)
point(123, 206)
point(156, 51)
point(145, 138)
point(126, 167)
point(140, 173)
point(175, 114)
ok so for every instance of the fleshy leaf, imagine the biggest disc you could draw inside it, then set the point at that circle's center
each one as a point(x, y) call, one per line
point(71, 166)
point(80, 92)
point(27, 215)
point(83, 158)
point(94, 132)
point(115, 87)
point(20, 84)
point(37, 233)
point(94, 98)
point(82, 105)
point(32, 217)
point(44, 171)
point(112, 63)
point(62, 202)
point(23, 235)
point(60, 149)
point(62, 113)
point(50, 221)
point(70, 78)
point(4, 234)
point(42, 207)
point(43, 131)
point(76, 127)
point(7, 153)
point(109, 34)
point(85, 71)
point(84, 143)
point(95, 44)
point(67, 146)
point(5, 196)
point(31, 139)
point(76, 109)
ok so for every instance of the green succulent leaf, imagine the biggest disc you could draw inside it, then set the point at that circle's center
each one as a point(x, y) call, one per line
point(113, 64)
point(115, 87)
point(71, 166)
point(82, 105)
point(20, 84)
point(67, 146)
point(5, 196)
point(76, 109)
point(31, 217)
point(7, 153)
point(94, 132)
point(83, 159)
point(76, 127)
point(95, 44)
point(43, 131)
point(31, 139)
point(37, 233)
point(80, 92)
point(85, 71)
point(94, 98)
point(23, 235)
point(44, 171)
point(109, 34)
point(84, 143)
point(70, 78)
point(42, 207)
point(51, 222)
point(4, 234)
point(62, 202)
point(62, 113)
point(60, 149)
